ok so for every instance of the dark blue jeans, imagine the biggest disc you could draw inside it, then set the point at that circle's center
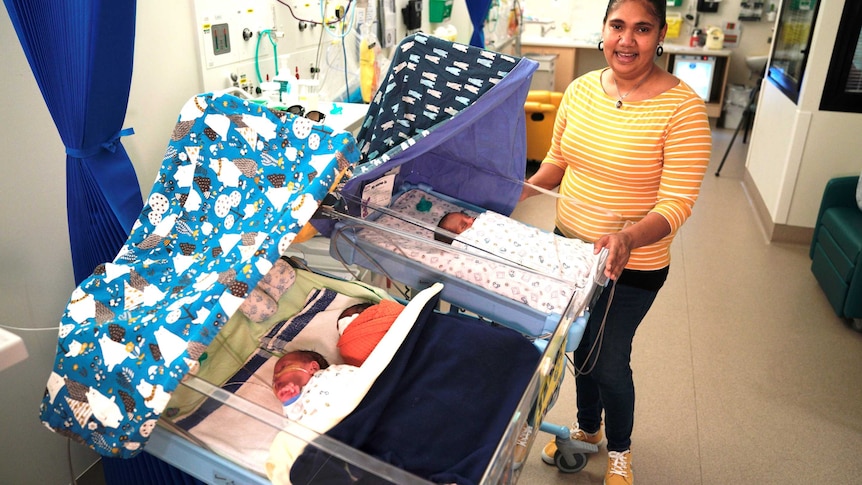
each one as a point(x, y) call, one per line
point(609, 385)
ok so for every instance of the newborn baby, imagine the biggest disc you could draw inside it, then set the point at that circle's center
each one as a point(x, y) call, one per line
point(292, 372)
point(496, 235)
point(301, 372)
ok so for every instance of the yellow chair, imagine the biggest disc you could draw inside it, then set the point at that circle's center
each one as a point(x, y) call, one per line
point(540, 110)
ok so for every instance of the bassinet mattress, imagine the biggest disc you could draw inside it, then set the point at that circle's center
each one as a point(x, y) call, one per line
point(547, 293)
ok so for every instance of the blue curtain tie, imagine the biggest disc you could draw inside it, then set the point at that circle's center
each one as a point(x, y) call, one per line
point(110, 145)
point(478, 11)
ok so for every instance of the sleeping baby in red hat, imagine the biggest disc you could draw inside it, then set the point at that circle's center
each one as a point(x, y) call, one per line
point(304, 381)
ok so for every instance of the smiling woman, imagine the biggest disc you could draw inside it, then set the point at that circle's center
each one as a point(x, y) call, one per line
point(631, 38)
point(634, 141)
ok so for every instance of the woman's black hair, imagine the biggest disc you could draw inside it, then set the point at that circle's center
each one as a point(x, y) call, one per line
point(658, 8)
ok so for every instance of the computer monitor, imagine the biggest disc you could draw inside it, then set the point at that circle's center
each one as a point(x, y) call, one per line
point(697, 72)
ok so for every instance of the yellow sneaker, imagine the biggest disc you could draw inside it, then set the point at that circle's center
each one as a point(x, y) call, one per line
point(550, 449)
point(619, 468)
point(521, 445)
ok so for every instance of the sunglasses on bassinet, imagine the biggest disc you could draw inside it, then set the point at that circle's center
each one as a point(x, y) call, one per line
point(314, 115)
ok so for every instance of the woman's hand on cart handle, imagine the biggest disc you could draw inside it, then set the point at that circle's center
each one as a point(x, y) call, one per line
point(648, 230)
point(619, 246)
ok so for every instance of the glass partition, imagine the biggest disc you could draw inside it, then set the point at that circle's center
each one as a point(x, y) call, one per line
point(792, 41)
point(843, 89)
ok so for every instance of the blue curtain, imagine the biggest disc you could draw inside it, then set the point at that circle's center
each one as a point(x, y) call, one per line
point(81, 54)
point(478, 10)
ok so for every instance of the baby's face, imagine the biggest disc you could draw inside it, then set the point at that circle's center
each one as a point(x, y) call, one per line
point(457, 222)
point(290, 375)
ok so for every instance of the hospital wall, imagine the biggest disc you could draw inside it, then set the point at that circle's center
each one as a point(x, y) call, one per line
point(796, 148)
point(787, 168)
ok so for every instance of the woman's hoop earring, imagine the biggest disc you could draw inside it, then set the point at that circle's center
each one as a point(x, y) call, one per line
point(602, 45)
point(659, 51)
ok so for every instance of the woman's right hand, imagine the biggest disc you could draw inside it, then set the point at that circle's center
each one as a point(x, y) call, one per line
point(619, 246)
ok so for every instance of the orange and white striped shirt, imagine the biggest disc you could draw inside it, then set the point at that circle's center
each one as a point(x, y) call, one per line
point(621, 164)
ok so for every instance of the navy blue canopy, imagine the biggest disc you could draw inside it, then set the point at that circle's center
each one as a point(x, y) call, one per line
point(450, 116)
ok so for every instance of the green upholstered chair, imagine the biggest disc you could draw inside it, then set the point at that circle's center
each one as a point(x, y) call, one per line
point(836, 248)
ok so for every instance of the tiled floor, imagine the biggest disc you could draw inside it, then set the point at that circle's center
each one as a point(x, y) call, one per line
point(743, 373)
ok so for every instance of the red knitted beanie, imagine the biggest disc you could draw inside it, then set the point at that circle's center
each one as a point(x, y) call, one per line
point(362, 335)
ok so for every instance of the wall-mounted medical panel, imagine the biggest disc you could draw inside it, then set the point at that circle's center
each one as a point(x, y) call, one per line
point(228, 30)
point(245, 43)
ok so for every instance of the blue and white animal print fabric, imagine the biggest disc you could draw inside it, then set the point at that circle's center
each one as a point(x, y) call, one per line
point(237, 184)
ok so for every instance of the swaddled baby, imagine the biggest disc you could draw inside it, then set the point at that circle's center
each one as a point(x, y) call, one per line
point(305, 373)
point(497, 236)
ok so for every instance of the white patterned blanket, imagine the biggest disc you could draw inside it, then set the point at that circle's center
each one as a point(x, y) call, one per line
point(540, 270)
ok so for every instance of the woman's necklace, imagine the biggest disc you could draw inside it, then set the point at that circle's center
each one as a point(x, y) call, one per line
point(619, 103)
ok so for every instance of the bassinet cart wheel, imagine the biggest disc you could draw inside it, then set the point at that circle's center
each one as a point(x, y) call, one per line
point(572, 464)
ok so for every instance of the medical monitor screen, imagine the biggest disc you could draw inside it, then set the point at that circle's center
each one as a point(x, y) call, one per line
point(697, 72)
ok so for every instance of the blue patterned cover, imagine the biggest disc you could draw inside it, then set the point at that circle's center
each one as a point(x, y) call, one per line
point(237, 183)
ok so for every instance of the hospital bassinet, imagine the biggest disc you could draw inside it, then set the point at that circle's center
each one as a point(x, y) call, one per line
point(502, 392)
point(244, 423)
point(398, 243)
point(474, 158)
point(237, 184)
